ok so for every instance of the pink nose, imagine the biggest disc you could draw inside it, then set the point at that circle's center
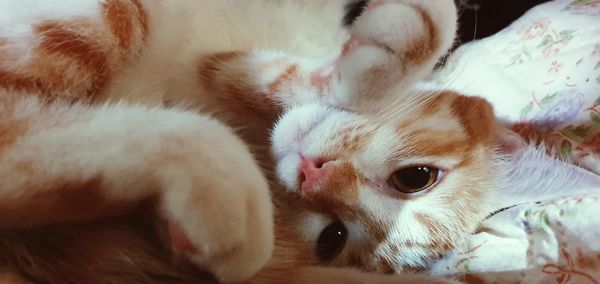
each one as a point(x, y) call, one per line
point(312, 171)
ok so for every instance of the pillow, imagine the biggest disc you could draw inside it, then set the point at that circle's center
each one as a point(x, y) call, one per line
point(542, 74)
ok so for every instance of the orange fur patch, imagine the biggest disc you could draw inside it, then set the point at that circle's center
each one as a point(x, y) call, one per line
point(340, 187)
point(115, 251)
point(63, 39)
point(142, 18)
point(59, 202)
point(10, 131)
point(434, 105)
point(229, 82)
point(477, 117)
point(290, 73)
point(23, 83)
point(119, 19)
point(437, 146)
point(354, 138)
point(423, 49)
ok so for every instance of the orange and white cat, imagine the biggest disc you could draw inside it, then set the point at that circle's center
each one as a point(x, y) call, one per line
point(92, 125)
point(92, 119)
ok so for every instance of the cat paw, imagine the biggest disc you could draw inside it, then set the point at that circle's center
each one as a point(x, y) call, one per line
point(404, 25)
point(218, 208)
point(392, 44)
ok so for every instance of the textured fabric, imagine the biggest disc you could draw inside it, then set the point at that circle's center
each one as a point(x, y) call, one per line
point(542, 74)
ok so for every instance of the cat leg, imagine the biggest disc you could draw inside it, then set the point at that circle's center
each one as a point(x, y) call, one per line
point(69, 50)
point(393, 44)
point(73, 163)
point(264, 80)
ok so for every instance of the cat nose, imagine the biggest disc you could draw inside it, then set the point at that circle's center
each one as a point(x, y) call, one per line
point(312, 170)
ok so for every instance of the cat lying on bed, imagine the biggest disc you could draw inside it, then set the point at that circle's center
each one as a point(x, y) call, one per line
point(386, 182)
point(70, 153)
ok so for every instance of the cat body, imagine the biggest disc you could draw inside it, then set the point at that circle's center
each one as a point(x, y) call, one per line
point(184, 108)
point(96, 121)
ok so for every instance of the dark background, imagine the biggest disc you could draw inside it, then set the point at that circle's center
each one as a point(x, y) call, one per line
point(477, 18)
point(481, 18)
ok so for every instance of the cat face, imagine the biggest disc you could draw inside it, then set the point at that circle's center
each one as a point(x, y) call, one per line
point(388, 191)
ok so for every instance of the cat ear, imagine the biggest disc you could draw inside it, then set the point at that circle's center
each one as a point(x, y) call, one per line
point(509, 142)
point(531, 173)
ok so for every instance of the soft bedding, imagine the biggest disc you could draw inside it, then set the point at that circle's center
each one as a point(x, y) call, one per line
point(542, 74)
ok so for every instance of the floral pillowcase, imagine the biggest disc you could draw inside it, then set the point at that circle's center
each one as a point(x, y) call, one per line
point(542, 74)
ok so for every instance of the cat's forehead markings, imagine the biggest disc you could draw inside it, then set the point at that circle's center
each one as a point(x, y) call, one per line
point(476, 116)
point(440, 146)
point(354, 138)
point(437, 103)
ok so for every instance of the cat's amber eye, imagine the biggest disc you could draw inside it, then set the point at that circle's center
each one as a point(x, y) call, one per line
point(414, 179)
point(331, 241)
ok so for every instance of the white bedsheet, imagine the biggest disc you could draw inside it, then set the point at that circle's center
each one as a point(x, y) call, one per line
point(542, 74)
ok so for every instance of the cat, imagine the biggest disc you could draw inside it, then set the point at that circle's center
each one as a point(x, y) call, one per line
point(375, 175)
point(99, 118)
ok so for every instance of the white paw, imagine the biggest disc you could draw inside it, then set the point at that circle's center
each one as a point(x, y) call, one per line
point(393, 44)
point(218, 206)
point(394, 26)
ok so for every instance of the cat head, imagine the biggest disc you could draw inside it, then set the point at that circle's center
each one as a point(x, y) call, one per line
point(388, 191)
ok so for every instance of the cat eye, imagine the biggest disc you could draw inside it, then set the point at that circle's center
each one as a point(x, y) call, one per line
point(414, 179)
point(331, 241)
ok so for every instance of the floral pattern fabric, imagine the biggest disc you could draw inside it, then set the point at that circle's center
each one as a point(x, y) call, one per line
point(553, 241)
point(542, 75)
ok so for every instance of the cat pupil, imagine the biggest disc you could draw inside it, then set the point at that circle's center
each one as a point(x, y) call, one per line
point(414, 179)
point(331, 241)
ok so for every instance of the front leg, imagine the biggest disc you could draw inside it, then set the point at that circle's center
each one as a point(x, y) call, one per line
point(62, 163)
point(266, 81)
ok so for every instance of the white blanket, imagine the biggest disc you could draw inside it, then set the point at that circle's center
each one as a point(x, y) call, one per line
point(542, 74)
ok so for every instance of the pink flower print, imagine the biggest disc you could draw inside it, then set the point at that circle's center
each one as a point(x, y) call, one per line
point(555, 68)
point(582, 6)
point(594, 144)
point(554, 49)
point(596, 51)
point(536, 29)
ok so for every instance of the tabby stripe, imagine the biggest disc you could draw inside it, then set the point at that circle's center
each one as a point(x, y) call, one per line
point(290, 73)
point(142, 18)
point(62, 39)
point(423, 49)
point(119, 19)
